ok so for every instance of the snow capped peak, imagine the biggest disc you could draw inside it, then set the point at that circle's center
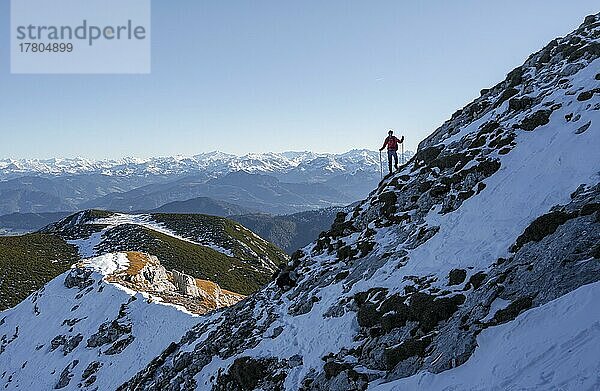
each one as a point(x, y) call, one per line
point(298, 156)
point(212, 163)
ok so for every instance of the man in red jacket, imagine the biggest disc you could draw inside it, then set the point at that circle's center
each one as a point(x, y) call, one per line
point(392, 142)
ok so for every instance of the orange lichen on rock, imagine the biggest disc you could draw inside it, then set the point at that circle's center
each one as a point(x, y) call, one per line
point(207, 286)
point(144, 273)
point(137, 261)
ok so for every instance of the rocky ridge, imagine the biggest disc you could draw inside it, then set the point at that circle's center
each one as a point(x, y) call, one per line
point(145, 274)
point(493, 216)
point(216, 249)
point(75, 331)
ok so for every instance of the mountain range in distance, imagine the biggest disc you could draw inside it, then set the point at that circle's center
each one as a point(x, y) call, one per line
point(274, 183)
point(288, 166)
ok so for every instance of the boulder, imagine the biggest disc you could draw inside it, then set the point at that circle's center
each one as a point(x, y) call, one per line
point(539, 118)
point(185, 284)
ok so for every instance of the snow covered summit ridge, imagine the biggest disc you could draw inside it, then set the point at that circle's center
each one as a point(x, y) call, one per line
point(106, 264)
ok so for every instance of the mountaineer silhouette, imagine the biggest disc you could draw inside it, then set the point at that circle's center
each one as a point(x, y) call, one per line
point(392, 143)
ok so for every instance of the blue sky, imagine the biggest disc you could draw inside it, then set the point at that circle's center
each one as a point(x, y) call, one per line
point(258, 76)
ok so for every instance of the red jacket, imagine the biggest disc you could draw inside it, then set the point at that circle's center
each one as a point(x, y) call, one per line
point(392, 143)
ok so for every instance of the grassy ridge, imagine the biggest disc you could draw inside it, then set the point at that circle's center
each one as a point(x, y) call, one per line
point(206, 263)
point(233, 274)
point(28, 262)
point(224, 232)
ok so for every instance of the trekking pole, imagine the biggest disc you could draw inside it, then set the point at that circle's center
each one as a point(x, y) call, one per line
point(380, 166)
point(402, 151)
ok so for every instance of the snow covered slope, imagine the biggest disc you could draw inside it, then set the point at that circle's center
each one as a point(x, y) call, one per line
point(497, 213)
point(80, 331)
point(488, 239)
point(555, 345)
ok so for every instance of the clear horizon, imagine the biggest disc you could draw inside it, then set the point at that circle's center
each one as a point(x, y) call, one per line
point(188, 156)
point(266, 77)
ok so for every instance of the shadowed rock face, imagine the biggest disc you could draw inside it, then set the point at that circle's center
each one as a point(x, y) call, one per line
point(359, 306)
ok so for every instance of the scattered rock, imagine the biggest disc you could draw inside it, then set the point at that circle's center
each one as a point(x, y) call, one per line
point(456, 276)
point(542, 227)
point(79, 278)
point(91, 369)
point(341, 226)
point(506, 94)
point(287, 278)
point(481, 186)
point(277, 331)
point(512, 310)
point(342, 275)
point(488, 127)
point(429, 310)
point(520, 104)
point(108, 333)
point(333, 368)
point(447, 161)
point(589, 209)
point(367, 315)
point(571, 69)
point(476, 280)
point(249, 373)
point(67, 344)
point(539, 118)
point(586, 95)
point(407, 349)
point(389, 203)
point(119, 346)
point(488, 167)
point(72, 322)
point(439, 190)
point(429, 154)
point(515, 77)
point(66, 375)
point(583, 128)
